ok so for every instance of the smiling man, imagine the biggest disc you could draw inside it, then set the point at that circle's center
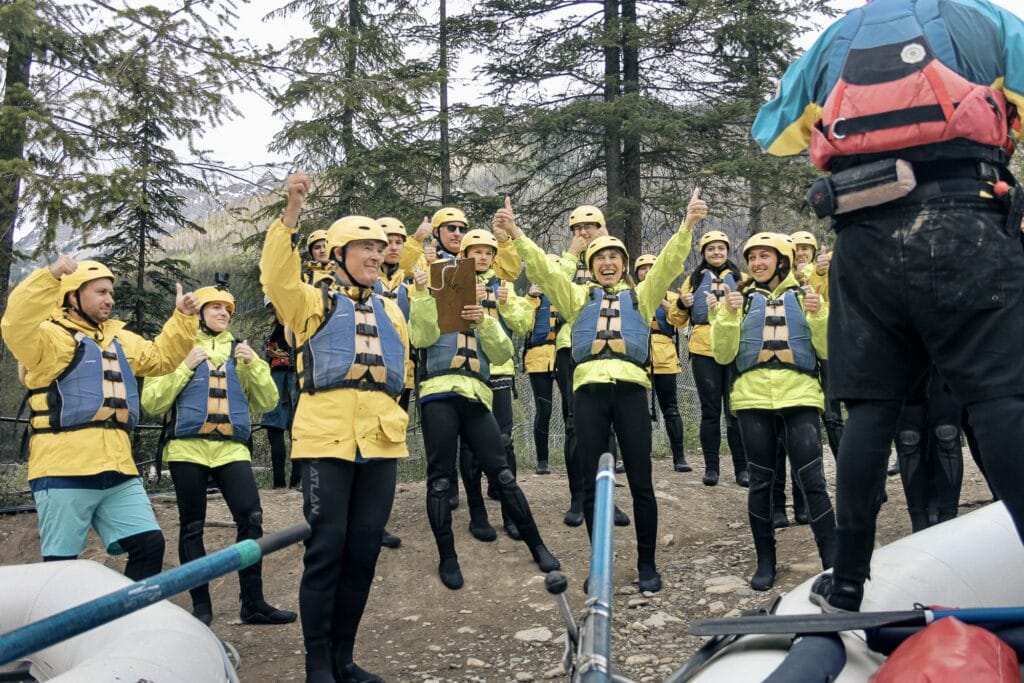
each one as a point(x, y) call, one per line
point(81, 368)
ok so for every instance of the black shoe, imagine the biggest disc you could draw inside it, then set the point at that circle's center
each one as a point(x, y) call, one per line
point(801, 517)
point(620, 468)
point(743, 478)
point(353, 673)
point(389, 540)
point(680, 465)
point(203, 612)
point(542, 467)
point(764, 575)
point(259, 612)
point(450, 573)
point(710, 478)
point(482, 530)
point(454, 502)
point(894, 468)
point(621, 518)
point(833, 595)
point(650, 579)
point(574, 515)
point(544, 559)
point(779, 519)
point(512, 530)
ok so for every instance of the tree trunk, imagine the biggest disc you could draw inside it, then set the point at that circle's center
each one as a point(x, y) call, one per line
point(442, 119)
point(632, 201)
point(612, 139)
point(348, 114)
point(13, 132)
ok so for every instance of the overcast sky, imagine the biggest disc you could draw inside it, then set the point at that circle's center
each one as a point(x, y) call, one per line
point(244, 141)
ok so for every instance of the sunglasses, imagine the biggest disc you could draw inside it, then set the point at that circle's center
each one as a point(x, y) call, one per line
point(456, 228)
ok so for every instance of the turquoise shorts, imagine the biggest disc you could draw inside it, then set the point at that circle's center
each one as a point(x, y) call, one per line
point(65, 515)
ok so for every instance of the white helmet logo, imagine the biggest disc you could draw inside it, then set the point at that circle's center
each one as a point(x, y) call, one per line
point(912, 53)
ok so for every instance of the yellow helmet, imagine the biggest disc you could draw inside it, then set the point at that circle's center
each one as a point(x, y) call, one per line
point(87, 271)
point(606, 242)
point(448, 214)
point(476, 238)
point(315, 237)
point(351, 228)
point(712, 236)
point(772, 240)
point(790, 245)
point(805, 237)
point(586, 214)
point(644, 260)
point(392, 226)
point(208, 295)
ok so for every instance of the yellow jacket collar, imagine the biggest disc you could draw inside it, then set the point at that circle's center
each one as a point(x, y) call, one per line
point(105, 332)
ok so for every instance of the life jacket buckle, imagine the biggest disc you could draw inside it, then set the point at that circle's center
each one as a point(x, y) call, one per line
point(835, 124)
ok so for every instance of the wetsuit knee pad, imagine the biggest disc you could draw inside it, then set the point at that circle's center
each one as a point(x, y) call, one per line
point(440, 487)
point(254, 524)
point(948, 435)
point(193, 531)
point(505, 478)
point(909, 438)
point(506, 440)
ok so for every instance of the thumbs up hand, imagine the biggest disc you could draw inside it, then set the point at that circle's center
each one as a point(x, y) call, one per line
point(822, 262)
point(696, 211)
point(812, 302)
point(711, 299)
point(424, 231)
point(505, 221)
point(188, 304)
point(64, 265)
point(419, 276)
point(733, 300)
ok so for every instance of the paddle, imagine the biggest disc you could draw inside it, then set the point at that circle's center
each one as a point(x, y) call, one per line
point(81, 618)
point(851, 621)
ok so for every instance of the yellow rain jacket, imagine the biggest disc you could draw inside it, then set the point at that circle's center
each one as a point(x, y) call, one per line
point(423, 332)
point(333, 423)
point(159, 394)
point(700, 335)
point(769, 388)
point(507, 264)
point(664, 358)
point(570, 299)
point(31, 332)
point(539, 358)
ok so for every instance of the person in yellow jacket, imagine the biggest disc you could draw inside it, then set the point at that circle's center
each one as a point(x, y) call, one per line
point(513, 313)
point(611, 347)
point(348, 431)
point(209, 398)
point(319, 263)
point(775, 333)
point(444, 232)
point(586, 223)
point(714, 273)
point(456, 402)
point(80, 369)
point(665, 366)
point(539, 363)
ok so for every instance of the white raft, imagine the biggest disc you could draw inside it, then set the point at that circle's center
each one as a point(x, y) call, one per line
point(161, 643)
point(975, 560)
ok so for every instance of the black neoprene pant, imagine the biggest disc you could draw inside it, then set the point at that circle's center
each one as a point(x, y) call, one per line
point(624, 406)
point(864, 455)
point(278, 455)
point(347, 506)
point(573, 471)
point(542, 384)
point(445, 422)
point(469, 466)
point(714, 382)
point(665, 390)
point(238, 486)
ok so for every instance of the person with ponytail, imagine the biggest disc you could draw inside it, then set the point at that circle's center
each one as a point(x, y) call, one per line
point(610, 318)
point(208, 400)
point(714, 273)
point(775, 334)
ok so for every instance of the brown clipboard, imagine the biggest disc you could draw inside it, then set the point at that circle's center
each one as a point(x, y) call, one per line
point(453, 285)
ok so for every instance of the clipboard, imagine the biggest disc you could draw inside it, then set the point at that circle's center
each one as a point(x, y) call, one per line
point(453, 285)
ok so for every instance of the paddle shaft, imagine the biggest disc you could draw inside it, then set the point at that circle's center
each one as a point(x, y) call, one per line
point(593, 663)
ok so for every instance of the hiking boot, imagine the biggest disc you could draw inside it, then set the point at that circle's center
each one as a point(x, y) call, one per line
point(450, 573)
point(836, 595)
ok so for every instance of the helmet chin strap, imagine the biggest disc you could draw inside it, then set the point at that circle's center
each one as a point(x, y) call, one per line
point(78, 310)
point(348, 274)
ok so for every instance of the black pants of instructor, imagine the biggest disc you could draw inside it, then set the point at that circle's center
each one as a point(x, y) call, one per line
point(542, 384)
point(923, 280)
point(238, 486)
point(564, 368)
point(469, 466)
point(665, 391)
point(714, 382)
point(347, 506)
point(624, 406)
point(445, 421)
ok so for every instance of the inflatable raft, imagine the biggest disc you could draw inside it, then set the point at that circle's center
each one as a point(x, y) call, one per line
point(161, 642)
point(975, 560)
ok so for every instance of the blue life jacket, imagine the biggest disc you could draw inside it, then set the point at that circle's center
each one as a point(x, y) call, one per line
point(583, 275)
point(96, 389)
point(457, 353)
point(212, 405)
point(546, 325)
point(709, 283)
point(661, 325)
point(399, 294)
point(610, 326)
point(775, 334)
point(330, 358)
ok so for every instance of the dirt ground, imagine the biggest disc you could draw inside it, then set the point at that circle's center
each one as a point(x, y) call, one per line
point(417, 630)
